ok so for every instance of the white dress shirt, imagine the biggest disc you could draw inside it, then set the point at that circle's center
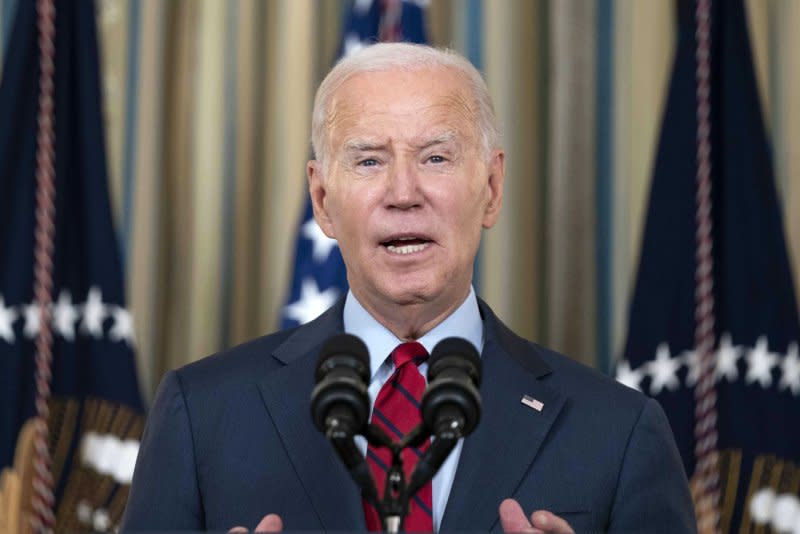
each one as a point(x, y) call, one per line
point(464, 322)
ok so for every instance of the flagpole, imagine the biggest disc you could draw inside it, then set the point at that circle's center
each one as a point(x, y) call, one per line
point(706, 476)
point(42, 500)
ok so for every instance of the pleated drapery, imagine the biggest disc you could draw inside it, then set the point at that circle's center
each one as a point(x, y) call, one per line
point(207, 108)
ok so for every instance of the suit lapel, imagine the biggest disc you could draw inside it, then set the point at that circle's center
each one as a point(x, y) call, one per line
point(497, 456)
point(494, 459)
point(286, 395)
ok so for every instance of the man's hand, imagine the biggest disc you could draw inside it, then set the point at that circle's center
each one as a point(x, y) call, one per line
point(513, 519)
point(270, 523)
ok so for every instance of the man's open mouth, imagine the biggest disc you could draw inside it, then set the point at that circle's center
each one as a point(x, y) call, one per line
point(406, 245)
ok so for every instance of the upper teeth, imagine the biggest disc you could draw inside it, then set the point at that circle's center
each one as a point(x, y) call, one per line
point(406, 249)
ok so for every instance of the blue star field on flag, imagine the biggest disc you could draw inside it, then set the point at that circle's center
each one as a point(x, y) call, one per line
point(756, 362)
point(319, 277)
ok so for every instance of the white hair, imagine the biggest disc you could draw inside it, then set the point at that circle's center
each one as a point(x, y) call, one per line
point(402, 56)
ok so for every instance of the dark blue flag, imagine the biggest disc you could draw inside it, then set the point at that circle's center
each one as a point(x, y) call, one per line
point(319, 276)
point(96, 409)
point(756, 329)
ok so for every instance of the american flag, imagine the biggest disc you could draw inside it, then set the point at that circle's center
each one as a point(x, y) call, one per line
point(319, 276)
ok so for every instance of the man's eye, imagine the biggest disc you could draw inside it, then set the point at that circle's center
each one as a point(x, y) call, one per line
point(436, 159)
point(369, 162)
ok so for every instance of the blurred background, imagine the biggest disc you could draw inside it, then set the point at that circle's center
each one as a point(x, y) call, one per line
point(205, 117)
point(207, 106)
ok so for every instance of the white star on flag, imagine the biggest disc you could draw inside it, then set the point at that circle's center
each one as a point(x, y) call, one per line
point(322, 244)
point(663, 370)
point(7, 318)
point(629, 377)
point(692, 359)
point(790, 371)
point(64, 316)
point(94, 312)
point(727, 356)
point(760, 363)
point(33, 320)
point(352, 44)
point(362, 6)
point(312, 302)
point(123, 325)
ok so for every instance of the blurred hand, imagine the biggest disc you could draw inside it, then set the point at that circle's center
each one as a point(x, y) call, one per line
point(513, 519)
point(270, 523)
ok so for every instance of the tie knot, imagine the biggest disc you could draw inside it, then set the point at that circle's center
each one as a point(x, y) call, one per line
point(406, 352)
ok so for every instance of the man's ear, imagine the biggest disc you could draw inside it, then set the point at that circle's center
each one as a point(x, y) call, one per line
point(497, 173)
point(317, 192)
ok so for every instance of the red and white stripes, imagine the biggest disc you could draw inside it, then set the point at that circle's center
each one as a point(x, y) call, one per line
point(42, 501)
point(706, 477)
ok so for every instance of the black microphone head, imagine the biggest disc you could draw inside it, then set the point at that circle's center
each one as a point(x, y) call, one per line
point(343, 349)
point(455, 351)
point(454, 374)
point(341, 374)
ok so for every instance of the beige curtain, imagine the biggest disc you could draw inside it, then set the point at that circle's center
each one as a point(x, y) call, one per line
point(511, 255)
point(773, 25)
point(207, 107)
point(643, 50)
point(216, 162)
point(571, 276)
point(207, 110)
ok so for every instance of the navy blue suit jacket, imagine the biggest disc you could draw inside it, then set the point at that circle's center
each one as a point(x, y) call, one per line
point(230, 439)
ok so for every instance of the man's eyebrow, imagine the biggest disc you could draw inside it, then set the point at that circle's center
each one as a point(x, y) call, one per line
point(361, 145)
point(443, 138)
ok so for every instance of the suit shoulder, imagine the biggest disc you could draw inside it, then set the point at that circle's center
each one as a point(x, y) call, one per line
point(583, 385)
point(588, 385)
point(244, 364)
point(233, 366)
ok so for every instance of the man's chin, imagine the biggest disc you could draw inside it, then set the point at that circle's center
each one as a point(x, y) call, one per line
point(409, 297)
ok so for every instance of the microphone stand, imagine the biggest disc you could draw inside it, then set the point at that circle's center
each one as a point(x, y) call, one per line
point(396, 494)
point(393, 507)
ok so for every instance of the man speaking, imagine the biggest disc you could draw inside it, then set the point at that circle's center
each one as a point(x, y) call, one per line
point(407, 174)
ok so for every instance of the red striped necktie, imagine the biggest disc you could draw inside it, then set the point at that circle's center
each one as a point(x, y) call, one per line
point(396, 411)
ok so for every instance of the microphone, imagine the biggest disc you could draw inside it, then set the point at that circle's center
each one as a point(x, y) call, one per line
point(451, 405)
point(340, 403)
point(452, 402)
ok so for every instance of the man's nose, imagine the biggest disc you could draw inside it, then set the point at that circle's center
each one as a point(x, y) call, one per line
point(403, 190)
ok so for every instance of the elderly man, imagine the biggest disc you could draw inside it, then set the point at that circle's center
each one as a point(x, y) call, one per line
point(408, 173)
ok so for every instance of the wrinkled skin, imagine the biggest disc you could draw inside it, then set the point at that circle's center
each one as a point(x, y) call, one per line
point(406, 171)
point(405, 160)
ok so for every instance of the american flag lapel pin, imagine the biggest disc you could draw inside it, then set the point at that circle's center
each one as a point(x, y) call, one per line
point(530, 402)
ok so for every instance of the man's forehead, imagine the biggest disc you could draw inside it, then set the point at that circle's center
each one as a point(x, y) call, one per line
point(435, 90)
point(366, 104)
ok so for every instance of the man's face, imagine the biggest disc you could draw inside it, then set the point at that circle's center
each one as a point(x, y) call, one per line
point(407, 186)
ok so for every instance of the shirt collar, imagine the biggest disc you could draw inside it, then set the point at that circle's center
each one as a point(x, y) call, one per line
point(464, 322)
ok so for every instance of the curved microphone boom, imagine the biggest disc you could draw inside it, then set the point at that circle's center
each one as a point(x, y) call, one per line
point(340, 403)
point(451, 405)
